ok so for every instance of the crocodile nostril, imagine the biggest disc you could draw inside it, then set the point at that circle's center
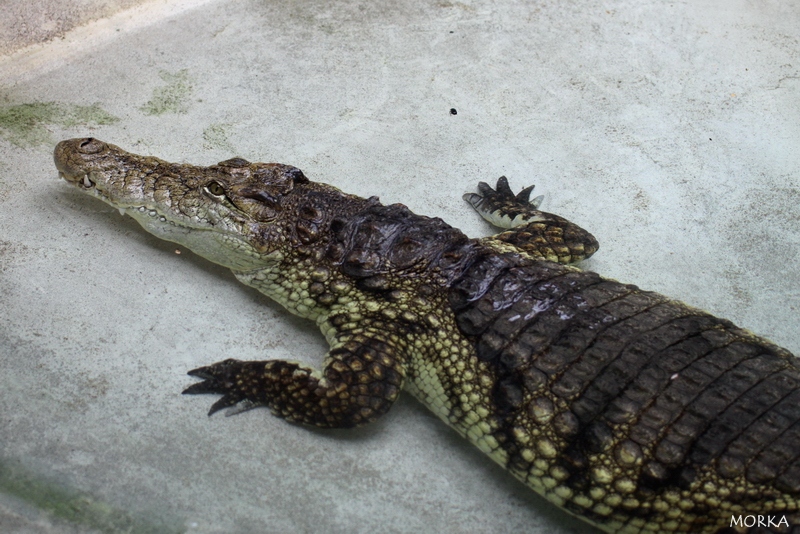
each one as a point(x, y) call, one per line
point(90, 145)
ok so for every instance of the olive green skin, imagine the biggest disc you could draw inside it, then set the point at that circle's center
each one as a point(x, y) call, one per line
point(632, 411)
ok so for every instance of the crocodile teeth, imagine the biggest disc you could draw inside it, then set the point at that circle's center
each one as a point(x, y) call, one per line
point(86, 181)
point(121, 211)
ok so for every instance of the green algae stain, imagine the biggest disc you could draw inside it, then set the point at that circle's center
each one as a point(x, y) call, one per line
point(171, 98)
point(26, 125)
point(67, 504)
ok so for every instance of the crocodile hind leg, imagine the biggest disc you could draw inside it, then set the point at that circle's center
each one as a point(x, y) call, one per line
point(359, 382)
point(542, 235)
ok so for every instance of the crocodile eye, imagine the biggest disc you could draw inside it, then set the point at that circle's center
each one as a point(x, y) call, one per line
point(215, 189)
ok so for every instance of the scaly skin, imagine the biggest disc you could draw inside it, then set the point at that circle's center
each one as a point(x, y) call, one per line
point(632, 411)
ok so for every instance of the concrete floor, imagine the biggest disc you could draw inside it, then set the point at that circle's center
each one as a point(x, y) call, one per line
point(36, 21)
point(669, 129)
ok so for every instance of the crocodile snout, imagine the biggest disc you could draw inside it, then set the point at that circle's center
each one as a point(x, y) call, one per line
point(73, 158)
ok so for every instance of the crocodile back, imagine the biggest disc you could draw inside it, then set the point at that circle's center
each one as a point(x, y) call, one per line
point(623, 405)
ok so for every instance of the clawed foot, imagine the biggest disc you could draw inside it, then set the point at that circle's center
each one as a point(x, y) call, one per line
point(501, 206)
point(502, 195)
point(219, 378)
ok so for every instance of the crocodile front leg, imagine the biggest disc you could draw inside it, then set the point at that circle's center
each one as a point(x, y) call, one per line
point(360, 380)
point(542, 235)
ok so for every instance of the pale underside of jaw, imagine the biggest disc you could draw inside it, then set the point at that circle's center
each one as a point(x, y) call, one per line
point(217, 244)
point(160, 223)
point(147, 216)
point(203, 240)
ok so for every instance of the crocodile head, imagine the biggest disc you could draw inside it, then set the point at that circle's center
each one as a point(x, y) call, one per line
point(229, 213)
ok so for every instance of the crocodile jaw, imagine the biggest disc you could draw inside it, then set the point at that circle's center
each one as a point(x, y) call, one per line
point(163, 204)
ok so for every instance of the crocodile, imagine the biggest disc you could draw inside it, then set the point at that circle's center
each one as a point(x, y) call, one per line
point(629, 410)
